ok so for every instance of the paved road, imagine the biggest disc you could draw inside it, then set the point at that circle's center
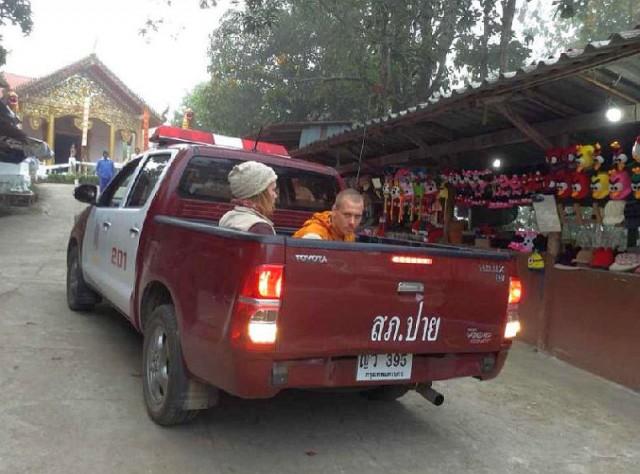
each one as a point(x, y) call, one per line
point(71, 399)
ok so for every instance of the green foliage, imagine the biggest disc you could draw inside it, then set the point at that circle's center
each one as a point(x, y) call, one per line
point(69, 178)
point(598, 19)
point(294, 60)
point(14, 12)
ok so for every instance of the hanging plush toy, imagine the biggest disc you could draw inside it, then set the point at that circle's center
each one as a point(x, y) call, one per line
point(598, 159)
point(555, 158)
point(600, 186)
point(386, 192)
point(619, 158)
point(584, 158)
point(619, 185)
point(599, 193)
point(535, 262)
point(395, 197)
point(581, 187)
point(635, 150)
point(571, 155)
point(564, 187)
point(523, 240)
point(635, 185)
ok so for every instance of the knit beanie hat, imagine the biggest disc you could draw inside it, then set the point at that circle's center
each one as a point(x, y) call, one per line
point(613, 212)
point(250, 178)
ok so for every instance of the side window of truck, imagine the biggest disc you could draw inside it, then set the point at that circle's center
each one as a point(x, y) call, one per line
point(147, 179)
point(206, 179)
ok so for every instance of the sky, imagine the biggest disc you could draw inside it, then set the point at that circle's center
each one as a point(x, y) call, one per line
point(159, 68)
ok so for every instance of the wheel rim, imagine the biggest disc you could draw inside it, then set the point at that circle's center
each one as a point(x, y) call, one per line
point(157, 372)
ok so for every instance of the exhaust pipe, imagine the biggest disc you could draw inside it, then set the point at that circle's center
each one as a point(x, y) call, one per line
point(430, 394)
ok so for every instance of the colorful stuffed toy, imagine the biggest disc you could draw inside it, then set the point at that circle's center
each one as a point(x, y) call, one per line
point(584, 158)
point(580, 187)
point(635, 150)
point(600, 186)
point(619, 158)
point(635, 185)
point(535, 262)
point(564, 187)
point(598, 159)
point(619, 185)
point(523, 240)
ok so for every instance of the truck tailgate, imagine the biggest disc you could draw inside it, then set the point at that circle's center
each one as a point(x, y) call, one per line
point(349, 299)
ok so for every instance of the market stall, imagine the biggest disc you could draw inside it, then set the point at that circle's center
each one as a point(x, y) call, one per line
point(544, 161)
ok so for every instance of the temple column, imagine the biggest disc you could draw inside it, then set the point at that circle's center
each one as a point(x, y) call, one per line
point(51, 131)
point(112, 141)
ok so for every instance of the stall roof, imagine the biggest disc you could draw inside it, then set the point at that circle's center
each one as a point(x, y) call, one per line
point(516, 115)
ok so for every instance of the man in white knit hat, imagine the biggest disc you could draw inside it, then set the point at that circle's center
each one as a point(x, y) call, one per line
point(253, 186)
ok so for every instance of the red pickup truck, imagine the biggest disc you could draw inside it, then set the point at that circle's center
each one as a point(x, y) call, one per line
point(253, 315)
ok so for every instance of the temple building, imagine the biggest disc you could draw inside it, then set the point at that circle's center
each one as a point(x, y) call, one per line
point(84, 97)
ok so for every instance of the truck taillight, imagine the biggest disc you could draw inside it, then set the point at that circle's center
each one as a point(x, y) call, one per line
point(255, 316)
point(515, 295)
point(264, 282)
point(515, 290)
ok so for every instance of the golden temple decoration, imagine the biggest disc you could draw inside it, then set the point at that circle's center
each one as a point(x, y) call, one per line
point(67, 98)
point(78, 123)
point(35, 123)
point(126, 135)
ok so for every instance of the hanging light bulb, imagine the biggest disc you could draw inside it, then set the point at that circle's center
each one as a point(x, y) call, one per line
point(497, 163)
point(613, 113)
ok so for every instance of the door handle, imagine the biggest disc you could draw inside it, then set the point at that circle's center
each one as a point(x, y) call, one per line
point(106, 225)
point(134, 230)
point(410, 287)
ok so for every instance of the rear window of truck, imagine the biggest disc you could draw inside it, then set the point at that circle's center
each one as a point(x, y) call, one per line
point(205, 179)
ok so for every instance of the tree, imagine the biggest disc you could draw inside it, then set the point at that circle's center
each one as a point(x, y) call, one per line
point(597, 19)
point(14, 12)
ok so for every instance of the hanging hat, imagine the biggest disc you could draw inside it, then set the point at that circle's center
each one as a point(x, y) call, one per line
point(250, 178)
point(613, 212)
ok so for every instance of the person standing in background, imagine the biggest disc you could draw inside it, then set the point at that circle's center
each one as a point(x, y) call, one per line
point(105, 169)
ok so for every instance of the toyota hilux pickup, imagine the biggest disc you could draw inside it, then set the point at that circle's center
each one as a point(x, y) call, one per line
point(252, 315)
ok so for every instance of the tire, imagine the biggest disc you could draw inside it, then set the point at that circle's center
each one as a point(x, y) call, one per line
point(164, 380)
point(386, 393)
point(79, 296)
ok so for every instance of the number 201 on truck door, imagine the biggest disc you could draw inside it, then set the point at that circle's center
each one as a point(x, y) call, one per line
point(119, 258)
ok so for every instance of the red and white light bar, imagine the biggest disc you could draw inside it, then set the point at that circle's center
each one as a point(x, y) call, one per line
point(169, 134)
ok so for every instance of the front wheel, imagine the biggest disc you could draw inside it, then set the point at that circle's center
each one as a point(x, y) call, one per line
point(164, 380)
point(79, 296)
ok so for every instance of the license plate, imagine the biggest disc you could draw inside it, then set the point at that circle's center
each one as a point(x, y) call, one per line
point(381, 367)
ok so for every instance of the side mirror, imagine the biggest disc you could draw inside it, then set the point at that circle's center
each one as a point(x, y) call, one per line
point(86, 193)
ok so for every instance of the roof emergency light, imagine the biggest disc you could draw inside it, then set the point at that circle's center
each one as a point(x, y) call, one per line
point(168, 135)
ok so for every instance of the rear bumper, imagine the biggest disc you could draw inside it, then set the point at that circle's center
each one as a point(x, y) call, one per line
point(257, 376)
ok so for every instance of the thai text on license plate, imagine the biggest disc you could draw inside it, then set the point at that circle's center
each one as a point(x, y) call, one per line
point(381, 367)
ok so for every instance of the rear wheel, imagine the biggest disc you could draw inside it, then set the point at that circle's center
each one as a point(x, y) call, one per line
point(164, 381)
point(79, 296)
point(387, 393)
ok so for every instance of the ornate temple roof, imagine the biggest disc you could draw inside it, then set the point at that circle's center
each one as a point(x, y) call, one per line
point(96, 69)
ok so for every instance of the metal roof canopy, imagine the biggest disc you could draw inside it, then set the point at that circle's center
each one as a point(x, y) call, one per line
point(515, 116)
